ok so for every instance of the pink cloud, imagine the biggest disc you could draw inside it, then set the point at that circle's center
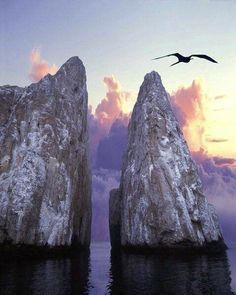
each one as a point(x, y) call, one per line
point(40, 67)
point(189, 104)
point(114, 105)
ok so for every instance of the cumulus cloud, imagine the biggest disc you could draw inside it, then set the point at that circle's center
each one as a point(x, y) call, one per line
point(116, 103)
point(108, 136)
point(96, 133)
point(190, 104)
point(105, 143)
point(192, 107)
point(40, 67)
point(110, 149)
point(114, 106)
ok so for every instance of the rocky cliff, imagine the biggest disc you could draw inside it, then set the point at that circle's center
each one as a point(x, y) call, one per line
point(160, 196)
point(45, 196)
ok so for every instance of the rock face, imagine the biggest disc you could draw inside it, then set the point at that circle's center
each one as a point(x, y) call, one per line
point(45, 191)
point(114, 218)
point(160, 196)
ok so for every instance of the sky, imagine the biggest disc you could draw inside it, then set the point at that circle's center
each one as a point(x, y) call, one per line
point(117, 41)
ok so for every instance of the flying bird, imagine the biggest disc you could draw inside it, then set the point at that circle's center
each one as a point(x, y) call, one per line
point(187, 59)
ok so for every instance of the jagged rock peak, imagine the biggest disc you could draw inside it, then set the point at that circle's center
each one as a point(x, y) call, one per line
point(71, 68)
point(153, 77)
point(45, 190)
point(160, 196)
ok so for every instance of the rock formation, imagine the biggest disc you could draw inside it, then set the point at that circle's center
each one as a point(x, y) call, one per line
point(160, 203)
point(114, 218)
point(45, 196)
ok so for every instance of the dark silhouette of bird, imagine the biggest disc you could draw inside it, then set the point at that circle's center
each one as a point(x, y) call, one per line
point(187, 59)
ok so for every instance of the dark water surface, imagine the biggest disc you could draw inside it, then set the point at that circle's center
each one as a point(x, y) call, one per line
point(103, 273)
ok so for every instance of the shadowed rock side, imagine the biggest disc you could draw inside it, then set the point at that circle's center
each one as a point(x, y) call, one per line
point(161, 199)
point(45, 196)
point(114, 218)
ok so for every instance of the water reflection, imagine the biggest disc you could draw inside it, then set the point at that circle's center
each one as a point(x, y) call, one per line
point(158, 274)
point(51, 276)
point(120, 273)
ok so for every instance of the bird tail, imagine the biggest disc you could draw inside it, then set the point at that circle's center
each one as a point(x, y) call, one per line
point(175, 63)
point(160, 57)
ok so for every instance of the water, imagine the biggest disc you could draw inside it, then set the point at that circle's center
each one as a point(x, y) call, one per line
point(102, 273)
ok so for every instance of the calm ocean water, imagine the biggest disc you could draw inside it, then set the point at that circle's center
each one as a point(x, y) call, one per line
point(103, 273)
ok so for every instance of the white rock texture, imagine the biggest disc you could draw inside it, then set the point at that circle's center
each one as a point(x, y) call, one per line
point(160, 201)
point(45, 190)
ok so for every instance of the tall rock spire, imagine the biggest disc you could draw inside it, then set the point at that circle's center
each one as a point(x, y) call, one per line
point(160, 202)
point(45, 191)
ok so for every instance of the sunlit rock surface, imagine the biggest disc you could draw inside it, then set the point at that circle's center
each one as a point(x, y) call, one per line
point(45, 196)
point(160, 196)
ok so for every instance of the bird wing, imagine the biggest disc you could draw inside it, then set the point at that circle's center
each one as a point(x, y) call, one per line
point(204, 56)
point(174, 54)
